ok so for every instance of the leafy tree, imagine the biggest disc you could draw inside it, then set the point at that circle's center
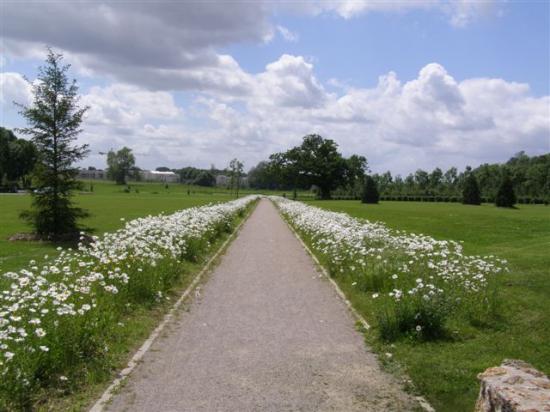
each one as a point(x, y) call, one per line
point(422, 180)
point(470, 193)
point(205, 179)
point(261, 176)
point(410, 184)
point(436, 180)
point(235, 173)
point(450, 178)
point(120, 165)
point(54, 120)
point(284, 171)
point(163, 169)
point(506, 196)
point(315, 162)
point(356, 167)
point(188, 174)
point(135, 173)
point(370, 191)
point(17, 158)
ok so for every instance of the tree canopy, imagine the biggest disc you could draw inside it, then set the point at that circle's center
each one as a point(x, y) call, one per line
point(316, 162)
point(17, 159)
point(120, 165)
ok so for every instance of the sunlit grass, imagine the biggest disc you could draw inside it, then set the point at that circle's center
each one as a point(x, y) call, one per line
point(445, 370)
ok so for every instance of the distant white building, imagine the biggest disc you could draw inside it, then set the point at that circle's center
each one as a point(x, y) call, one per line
point(92, 174)
point(155, 176)
point(225, 181)
point(222, 180)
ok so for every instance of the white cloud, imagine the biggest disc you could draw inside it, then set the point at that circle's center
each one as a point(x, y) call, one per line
point(288, 82)
point(287, 34)
point(167, 48)
point(175, 47)
point(460, 12)
point(463, 12)
point(127, 106)
point(148, 52)
point(427, 121)
point(14, 88)
point(430, 120)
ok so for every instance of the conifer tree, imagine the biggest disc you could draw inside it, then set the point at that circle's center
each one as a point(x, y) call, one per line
point(471, 194)
point(506, 196)
point(53, 122)
point(370, 191)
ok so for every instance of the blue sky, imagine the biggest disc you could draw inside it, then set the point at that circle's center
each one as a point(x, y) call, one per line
point(513, 44)
point(407, 84)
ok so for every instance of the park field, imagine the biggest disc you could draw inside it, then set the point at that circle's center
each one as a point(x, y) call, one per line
point(127, 312)
point(445, 371)
point(108, 204)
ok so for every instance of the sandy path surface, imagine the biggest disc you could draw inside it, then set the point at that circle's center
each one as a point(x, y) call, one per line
point(266, 334)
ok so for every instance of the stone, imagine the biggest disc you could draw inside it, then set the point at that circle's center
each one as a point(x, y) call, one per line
point(514, 386)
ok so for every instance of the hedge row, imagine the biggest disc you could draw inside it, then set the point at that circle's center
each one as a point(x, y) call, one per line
point(452, 199)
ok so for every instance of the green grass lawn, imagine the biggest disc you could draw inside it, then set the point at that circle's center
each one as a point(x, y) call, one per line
point(108, 203)
point(445, 371)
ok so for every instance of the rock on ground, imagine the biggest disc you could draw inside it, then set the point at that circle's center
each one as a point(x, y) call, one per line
point(514, 386)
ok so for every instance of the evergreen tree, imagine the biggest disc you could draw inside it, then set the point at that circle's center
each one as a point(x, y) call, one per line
point(471, 194)
point(370, 191)
point(54, 120)
point(506, 196)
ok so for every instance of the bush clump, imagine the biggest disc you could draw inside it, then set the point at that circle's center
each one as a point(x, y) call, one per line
point(370, 191)
point(506, 196)
point(471, 194)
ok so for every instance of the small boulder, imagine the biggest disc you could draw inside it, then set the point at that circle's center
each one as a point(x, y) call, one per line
point(514, 386)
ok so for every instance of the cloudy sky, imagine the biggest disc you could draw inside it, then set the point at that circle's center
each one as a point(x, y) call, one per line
point(409, 84)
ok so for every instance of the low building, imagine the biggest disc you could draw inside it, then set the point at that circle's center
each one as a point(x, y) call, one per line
point(156, 176)
point(222, 180)
point(92, 174)
point(225, 181)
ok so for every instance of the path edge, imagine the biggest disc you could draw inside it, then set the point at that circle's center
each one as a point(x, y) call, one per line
point(109, 393)
point(423, 402)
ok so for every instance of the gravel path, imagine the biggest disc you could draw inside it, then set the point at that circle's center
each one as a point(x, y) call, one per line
point(266, 334)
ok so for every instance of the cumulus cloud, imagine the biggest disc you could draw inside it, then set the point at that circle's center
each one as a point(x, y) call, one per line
point(148, 52)
point(128, 106)
point(427, 121)
point(175, 47)
point(168, 47)
point(14, 88)
point(288, 82)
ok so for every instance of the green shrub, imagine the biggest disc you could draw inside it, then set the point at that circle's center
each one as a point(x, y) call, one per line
point(471, 194)
point(505, 195)
point(370, 191)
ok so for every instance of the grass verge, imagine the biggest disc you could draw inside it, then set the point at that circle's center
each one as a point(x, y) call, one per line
point(444, 370)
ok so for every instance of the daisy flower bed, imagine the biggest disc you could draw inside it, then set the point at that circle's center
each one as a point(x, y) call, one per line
point(58, 316)
point(410, 285)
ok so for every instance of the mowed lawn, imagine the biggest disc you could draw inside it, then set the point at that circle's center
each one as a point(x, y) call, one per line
point(445, 371)
point(108, 204)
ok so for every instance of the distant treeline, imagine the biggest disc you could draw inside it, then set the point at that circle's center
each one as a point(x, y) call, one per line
point(317, 165)
point(530, 177)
